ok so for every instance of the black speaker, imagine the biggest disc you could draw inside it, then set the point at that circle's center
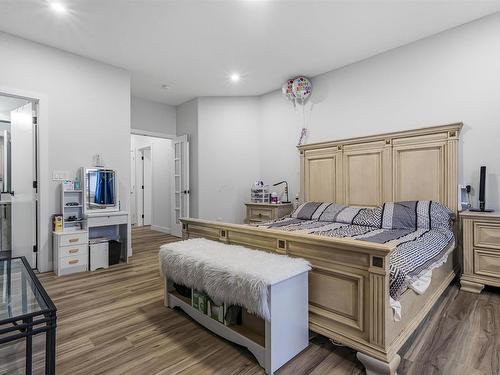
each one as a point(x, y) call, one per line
point(482, 181)
point(482, 192)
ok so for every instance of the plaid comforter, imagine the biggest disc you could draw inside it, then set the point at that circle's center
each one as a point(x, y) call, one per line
point(420, 230)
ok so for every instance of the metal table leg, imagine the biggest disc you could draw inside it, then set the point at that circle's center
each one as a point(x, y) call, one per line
point(29, 345)
point(50, 346)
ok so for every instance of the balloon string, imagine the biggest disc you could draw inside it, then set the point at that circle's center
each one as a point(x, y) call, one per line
point(303, 131)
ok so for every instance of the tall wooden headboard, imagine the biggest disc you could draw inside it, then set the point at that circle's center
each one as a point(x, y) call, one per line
point(418, 164)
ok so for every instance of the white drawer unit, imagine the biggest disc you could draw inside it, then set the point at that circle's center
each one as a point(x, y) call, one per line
point(71, 252)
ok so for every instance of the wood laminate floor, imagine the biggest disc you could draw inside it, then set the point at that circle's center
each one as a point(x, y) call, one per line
point(114, 322)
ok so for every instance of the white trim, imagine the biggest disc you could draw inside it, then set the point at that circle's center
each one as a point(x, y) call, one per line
point(151, 134)
point(44, 224)
point(158, 228)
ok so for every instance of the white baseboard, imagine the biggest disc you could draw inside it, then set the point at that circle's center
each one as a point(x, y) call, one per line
point(160, 229)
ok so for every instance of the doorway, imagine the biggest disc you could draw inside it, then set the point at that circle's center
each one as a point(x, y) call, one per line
point(160, 162)
point(150, 182)
point(19, 205)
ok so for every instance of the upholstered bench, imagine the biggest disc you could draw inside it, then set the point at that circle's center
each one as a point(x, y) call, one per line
point(271, 290)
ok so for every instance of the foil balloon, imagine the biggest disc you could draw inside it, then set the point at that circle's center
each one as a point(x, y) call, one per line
point(301, 88)
point(287, 90)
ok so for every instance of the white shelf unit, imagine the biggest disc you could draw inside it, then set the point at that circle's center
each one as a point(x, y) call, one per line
point(76, 210)
point(71, 246)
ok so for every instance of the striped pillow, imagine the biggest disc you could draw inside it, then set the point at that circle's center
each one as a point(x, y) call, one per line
point(391, 215)
point(415, 214)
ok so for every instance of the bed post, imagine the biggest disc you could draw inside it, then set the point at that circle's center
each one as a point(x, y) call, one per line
point(375, 366)
point(185, 231)
point(302, 187)
point(378, 297)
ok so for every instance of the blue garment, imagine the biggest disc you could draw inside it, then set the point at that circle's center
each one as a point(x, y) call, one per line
point(110, 193)
point(104, 188)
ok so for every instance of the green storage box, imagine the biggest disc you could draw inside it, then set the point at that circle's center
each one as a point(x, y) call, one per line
point(199, 301)
point(215, 311)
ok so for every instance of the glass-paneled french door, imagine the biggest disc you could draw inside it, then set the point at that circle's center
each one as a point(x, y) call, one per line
point(180, 182)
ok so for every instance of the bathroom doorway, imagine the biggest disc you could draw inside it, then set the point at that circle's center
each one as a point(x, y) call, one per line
point(18, 178)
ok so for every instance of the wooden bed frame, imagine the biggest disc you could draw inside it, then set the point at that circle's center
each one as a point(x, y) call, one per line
point(349, 283)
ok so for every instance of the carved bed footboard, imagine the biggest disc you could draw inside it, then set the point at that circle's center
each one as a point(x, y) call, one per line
point(348, 286)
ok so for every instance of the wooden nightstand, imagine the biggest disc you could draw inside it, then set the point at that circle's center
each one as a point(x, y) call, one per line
point(481, 250)
point(260, 212)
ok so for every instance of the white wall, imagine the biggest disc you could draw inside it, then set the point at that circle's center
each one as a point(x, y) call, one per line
point(161, 192)
point(152, 116)
point(187, 123)
point(450, 77)
point(229, 133)
point(85, 110)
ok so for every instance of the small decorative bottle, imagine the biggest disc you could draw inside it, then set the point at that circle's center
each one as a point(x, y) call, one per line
point(296, 202)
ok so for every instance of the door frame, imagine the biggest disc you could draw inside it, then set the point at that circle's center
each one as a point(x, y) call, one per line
point(42, 231)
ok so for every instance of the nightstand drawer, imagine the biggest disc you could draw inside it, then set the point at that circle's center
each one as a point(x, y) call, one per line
point(74, 239)
point(261, 214)
point(68, 251)
point(487, 235)
point(486, 263)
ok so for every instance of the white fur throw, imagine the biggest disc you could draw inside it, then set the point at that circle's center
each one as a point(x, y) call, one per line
point(228, 273)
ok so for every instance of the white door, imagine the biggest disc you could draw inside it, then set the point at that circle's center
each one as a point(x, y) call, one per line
point(147, 185)
point(180, 182)
point(133, 209)
point(22, 176)
point(139, 177)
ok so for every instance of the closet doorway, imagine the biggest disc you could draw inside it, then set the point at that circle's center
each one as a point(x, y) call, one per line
point(19, 205)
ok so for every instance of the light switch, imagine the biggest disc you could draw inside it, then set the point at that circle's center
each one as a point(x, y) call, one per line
point(60, 175)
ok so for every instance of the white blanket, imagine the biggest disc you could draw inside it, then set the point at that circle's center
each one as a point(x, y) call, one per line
point(228, 273)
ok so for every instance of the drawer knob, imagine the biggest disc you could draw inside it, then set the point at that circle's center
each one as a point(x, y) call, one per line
point(74, 261)
point(73, 240)
point(72, 251)
point(260, 215)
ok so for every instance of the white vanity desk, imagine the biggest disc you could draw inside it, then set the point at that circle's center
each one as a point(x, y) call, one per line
point(111, 224)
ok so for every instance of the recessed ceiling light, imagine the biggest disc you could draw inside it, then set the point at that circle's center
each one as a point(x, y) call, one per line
point(58, 7)
point(235, 77)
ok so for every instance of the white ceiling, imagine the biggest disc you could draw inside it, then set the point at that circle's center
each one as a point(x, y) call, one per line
point(194, 45)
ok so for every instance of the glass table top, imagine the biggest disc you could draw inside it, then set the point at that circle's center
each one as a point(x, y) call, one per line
point(19, 294)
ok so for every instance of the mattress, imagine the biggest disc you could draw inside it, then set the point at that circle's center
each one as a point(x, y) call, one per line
point(419, 230)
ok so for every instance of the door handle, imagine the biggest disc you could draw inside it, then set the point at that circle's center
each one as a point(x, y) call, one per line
point(185, 192)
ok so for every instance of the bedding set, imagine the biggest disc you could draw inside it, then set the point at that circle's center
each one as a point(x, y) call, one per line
point(421, 231)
